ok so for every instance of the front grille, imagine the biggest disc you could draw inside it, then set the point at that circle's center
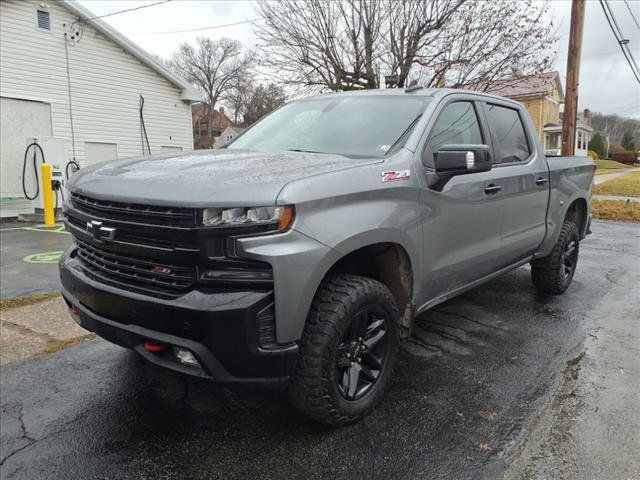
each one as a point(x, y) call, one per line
point(138, 236)
point(134, 270)
point(134, 212)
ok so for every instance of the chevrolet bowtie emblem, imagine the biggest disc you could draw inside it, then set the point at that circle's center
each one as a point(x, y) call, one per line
point(99, 232)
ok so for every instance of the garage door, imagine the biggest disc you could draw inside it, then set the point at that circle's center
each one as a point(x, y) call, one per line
point(21, 121)
point(99, 152)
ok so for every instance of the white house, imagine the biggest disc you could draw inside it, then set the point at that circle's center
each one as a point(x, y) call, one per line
point(227, 135)
point(584, 132)
point(79, 87)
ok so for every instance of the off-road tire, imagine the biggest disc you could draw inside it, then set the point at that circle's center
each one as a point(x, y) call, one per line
point(314, 384)
point(549, 273)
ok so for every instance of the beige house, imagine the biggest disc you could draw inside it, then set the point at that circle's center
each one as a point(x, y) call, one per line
point(542, 95)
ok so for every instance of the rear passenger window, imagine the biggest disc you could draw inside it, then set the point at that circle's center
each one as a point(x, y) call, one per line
point(511, 143)
point(456, 125)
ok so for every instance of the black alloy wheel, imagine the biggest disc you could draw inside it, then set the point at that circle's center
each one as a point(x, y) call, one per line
point(553, 274)
point(362, 353)
point(569, 258)
point(347, 351)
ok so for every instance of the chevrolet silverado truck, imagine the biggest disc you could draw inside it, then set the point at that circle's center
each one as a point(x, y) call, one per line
point(300, 253)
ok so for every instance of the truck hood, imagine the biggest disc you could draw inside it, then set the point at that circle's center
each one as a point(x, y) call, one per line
point(205, 178)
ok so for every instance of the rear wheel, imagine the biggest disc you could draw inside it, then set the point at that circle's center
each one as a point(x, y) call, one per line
point(553, 273)
point(348, 350)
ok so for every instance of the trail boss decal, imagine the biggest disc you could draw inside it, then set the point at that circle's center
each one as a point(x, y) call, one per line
point(393, 175)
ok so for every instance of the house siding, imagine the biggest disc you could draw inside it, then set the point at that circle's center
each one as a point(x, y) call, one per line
point(543, 111)
point(106, 82)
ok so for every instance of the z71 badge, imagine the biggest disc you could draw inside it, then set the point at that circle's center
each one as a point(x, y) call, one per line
point(393, 175)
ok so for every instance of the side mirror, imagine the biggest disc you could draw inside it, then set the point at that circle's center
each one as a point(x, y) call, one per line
point(460, 159)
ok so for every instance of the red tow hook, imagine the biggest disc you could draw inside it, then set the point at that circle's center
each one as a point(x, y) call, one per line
point(75, 311)
point(155, 347)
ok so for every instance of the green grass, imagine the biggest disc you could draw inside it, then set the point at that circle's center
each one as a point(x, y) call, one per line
point(626, 185)
point(608, 166)
point(619, 210)
point(28, 300)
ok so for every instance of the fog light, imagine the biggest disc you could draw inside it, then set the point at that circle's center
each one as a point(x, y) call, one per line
point(185, 356)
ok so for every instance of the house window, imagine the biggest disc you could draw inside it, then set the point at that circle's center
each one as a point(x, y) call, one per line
point(579, 140)
point(43, 20)
point(228, 137)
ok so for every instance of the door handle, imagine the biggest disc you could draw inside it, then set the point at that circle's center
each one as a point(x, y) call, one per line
point(492, 188)
point(541, 180)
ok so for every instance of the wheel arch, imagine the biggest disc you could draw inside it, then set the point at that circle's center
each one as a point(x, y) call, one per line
point(389, 263)
point(577, 211)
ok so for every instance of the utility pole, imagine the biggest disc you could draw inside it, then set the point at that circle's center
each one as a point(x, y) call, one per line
point(573, 74)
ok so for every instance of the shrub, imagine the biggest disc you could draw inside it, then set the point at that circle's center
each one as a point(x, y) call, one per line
point(628, 158)
point(597, 145)
point(593, 155)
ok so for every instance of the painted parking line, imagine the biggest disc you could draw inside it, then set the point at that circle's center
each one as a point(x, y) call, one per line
point(44, 257)
point(57, 228)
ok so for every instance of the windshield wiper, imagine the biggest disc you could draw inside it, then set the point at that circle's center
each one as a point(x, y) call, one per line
point(303, 151)
point(404, 134)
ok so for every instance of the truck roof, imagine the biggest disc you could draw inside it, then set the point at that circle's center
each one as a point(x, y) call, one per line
point(414, 91)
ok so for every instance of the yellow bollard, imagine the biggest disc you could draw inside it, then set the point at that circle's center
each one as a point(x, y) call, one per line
point(47, 195)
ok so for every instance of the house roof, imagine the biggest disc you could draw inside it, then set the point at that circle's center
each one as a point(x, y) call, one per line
point(201, 110)
point(235, 129)
point(530, 86)
point(189, 94)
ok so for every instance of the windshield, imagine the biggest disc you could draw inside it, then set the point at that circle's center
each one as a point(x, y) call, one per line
point(354, 126)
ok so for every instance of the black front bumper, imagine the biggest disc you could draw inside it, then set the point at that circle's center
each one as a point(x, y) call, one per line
point(220, 327)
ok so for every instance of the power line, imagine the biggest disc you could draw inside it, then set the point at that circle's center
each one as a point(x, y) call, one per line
point(620, 39)
point(632, 15)
point(127, 10)
point(199, 29)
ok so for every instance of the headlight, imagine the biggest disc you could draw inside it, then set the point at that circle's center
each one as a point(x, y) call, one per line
point(282, 217)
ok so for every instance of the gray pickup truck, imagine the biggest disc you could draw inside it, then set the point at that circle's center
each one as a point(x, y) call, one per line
point(300, 254)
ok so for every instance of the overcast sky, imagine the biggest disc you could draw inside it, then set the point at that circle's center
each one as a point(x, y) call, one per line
point(606, 82)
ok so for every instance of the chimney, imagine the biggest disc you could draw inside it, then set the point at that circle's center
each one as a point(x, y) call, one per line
point(221, 110)
point(587, 116)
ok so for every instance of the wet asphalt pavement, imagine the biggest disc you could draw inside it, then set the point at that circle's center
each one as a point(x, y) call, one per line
point(29, 258)
point(476, 373)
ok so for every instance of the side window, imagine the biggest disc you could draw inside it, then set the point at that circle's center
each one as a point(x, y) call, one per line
point(511, 143)
point(457, 124)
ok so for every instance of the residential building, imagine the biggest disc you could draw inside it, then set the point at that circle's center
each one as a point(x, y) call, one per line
point(542, 95)
point(70, 80)
point(227, 135)
point(584, 132)
point(200, 120)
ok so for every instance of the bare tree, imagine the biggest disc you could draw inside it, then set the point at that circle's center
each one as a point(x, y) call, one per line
point(413, 28)
point(214, 66)
point(238, 97)
point(328, 44)
point(489, 44)
point(346, 44)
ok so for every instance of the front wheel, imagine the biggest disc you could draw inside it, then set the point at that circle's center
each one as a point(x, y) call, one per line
point(553, 273)
point(348, 350)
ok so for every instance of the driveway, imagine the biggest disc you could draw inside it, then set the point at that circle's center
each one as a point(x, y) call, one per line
point(469, 384)
point(29, 258)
